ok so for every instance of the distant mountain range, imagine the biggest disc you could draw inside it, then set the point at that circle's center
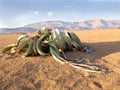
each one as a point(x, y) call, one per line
point(90, 24)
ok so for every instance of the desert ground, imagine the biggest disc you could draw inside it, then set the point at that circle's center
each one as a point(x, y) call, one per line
point(44, 73)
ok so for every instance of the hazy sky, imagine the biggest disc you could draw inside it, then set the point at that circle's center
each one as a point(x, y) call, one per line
point(14, 13)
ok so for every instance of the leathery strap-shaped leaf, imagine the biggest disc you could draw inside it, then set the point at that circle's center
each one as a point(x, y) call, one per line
point(67, 39)
point(34, 50)
point(29, 49)
point(88, 68)
point(21, 38)
point(23, 44)
point(8, 48)
point(63, 40)
point(75, 39)
point(76, 45)
point(59, 42)
point(39, 42)
point(56, 55)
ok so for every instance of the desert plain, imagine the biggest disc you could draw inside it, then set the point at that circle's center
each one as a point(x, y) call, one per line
point(44, 73)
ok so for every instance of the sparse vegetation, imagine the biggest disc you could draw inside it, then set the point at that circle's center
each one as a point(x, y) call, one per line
point(52, 42)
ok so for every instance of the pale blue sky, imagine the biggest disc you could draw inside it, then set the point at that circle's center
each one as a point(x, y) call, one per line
point(15, 13)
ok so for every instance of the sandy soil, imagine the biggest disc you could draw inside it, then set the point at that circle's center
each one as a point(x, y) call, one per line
point(44, 73)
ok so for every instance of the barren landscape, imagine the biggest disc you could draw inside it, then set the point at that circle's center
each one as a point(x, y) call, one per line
point(44, 73)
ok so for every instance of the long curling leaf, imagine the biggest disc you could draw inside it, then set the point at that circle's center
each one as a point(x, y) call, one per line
point(58, 40)
point(39, 42)
point(76, 45)
point(67, 40)
point(8, 48)
point(56, 55)
point(29, 49)
point(87, 68)
point(21, 38)
point(34, 50)
point(23, 44)
point(75, 39)
point(63, 40)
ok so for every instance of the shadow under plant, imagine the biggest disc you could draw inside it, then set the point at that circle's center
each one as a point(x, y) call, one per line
point(99, 50)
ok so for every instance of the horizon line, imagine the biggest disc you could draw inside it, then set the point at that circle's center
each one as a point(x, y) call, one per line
point(62, 21)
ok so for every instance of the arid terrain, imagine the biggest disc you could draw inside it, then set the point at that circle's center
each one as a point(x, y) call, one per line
point(44, 73)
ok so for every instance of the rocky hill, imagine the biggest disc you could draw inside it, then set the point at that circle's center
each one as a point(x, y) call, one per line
point(90, 24)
